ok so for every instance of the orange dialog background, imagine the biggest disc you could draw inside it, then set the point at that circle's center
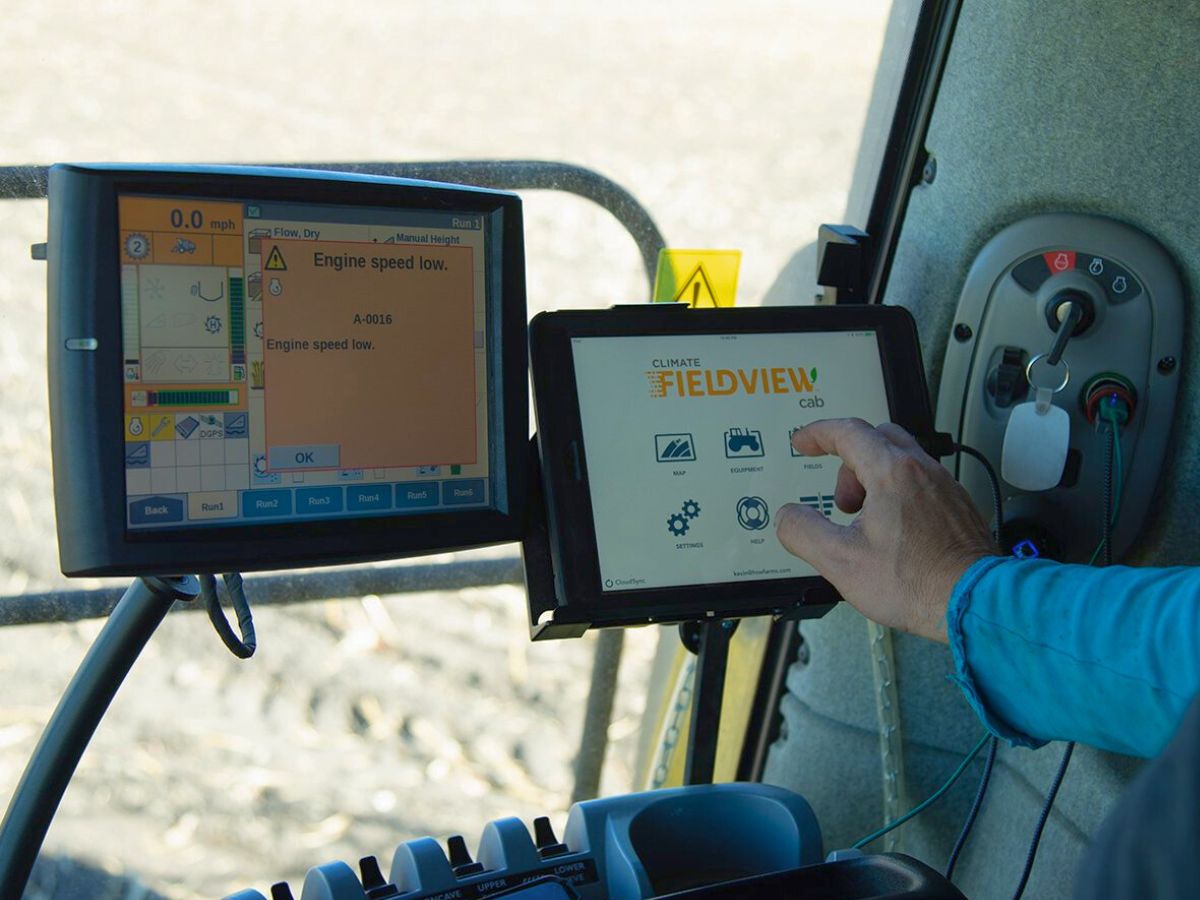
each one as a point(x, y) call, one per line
point(408, 401)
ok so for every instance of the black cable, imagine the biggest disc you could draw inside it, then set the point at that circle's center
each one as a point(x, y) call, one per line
point(1106, 522)
point(243, 648)
point(1110, 449)
point(984, 780)
point(1037, 832)
point(997, 499)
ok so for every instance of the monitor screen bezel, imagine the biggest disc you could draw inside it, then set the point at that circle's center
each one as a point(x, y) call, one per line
point(86, 386)
point(563, 452)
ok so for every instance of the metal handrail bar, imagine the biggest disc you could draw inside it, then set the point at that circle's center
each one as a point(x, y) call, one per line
point(29, 183)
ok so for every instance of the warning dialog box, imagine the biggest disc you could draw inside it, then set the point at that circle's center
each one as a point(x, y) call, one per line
point(369, 355)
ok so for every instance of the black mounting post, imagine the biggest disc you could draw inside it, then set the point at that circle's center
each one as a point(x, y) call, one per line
point(34, 802)
point(843, 263)
point(709, 640)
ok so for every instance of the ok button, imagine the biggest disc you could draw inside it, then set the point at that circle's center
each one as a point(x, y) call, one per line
point(303, 456)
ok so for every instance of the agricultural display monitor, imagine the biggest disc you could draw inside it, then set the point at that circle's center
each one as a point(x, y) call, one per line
point(264, 368)
point(665, 446)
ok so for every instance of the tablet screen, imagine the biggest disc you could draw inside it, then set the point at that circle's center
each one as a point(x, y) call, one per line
point(688, 452)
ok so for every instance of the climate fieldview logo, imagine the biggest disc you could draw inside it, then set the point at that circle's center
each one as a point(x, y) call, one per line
point(671, 382)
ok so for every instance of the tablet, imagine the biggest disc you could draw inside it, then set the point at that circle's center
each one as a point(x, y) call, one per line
point(664, 438)
point(256, 368)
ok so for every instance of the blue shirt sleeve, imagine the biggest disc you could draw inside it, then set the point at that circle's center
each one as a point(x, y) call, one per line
point(1105, 656)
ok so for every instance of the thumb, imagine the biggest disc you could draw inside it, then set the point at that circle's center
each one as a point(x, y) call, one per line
point(805, 533)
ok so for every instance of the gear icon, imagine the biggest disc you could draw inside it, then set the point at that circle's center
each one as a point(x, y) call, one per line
point(137, 246)
point(677, 524)
point(212, 324)
point(691, 508)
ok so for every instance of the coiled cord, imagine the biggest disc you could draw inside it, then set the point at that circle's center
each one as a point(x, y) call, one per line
point(244, 647)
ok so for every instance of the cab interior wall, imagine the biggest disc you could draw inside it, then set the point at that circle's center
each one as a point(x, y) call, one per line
point(1044, 107)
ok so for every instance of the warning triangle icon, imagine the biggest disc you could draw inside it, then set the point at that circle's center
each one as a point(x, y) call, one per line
point(275, 261)
point(697, 290)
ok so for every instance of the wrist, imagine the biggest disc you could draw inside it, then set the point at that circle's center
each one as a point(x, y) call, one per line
point(937, 593)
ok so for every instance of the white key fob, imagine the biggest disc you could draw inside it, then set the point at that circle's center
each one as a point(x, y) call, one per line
point(1035, 446)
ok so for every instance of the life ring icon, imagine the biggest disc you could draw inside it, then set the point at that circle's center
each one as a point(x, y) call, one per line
point(753, 513)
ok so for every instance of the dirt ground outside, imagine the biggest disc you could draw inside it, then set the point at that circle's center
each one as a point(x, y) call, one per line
point(366, 721)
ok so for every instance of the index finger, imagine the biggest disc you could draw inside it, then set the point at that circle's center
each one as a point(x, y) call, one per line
point(856, 442)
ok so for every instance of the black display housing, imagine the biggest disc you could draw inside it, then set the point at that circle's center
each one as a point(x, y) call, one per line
point(566, 596)
point(86, 401)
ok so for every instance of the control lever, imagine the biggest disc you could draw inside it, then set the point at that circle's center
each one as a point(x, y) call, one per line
point(460, 857)
point(545, 840)
point(281, 891)
point(373, 882)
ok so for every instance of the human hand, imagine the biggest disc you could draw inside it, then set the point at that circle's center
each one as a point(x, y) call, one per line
point(916, 534)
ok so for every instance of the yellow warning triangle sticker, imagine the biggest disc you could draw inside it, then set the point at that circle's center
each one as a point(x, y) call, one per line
point(699, 278)
point(275, 261)
point(697, 290)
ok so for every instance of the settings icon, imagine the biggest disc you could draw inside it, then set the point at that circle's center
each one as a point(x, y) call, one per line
point(679, 523)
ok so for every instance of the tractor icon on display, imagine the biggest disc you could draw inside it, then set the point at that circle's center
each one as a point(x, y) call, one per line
point(743, 442)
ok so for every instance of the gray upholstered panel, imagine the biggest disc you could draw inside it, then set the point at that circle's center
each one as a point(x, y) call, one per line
point(1060, 105)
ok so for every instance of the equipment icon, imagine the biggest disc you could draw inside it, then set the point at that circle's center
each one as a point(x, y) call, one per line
point(743, 442)
point(1096, 266)
point(674, 448)
point(275, 286)
point(212, 324)
point(183, 245)
point(753, 513)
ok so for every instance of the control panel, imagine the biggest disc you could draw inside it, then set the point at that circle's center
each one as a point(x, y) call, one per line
point(634, 846)
point(1062, 320)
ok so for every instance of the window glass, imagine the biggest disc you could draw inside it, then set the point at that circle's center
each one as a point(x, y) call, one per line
point(365, 721)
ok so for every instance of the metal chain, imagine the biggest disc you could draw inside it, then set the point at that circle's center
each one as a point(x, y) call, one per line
point(671, 726)
point(891, 748)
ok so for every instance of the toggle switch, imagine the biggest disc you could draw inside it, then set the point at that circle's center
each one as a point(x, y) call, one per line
point(460, 857)
point(373, 882)
point(544, 838)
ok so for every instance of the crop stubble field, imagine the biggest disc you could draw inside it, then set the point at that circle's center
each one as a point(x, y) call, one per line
point(364, 721)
